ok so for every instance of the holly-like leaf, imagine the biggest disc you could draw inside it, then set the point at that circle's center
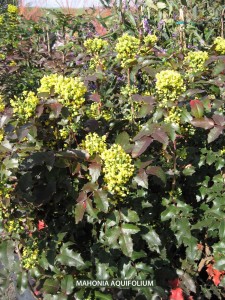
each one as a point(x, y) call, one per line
point(129, 228)
point(126, 244)
point(102, 296)
point(101, 200)
point(142, 178)
point(123, 139)
point(67, 284)
point(153, 240)
point(157, 171)
point(204, 123)
point(197, 108)
point(141, 145)
point(80, 209)
point(70, 258)
point(160, 135)
point(94, 171)
point(214, 133)
point(51, 286)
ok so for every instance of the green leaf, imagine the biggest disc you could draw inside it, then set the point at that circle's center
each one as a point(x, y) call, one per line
point(80, 209)
point(102, 296)
point(204, 123)
point(169, 213)
point(157, 171)
point(128, 271)
point(142, 178)
point(214, 133)
point(51, 286)
point(197, 108)
point(102, 271)
point(67, 284)
point(141, 145)
point(123, 139)
point(7, 254)
point(126, 244)
point(70, 258)
point(22, 282)
point(94, 171)
point(101, 200)
point(129, 215)
point(222, 229)
point(112, 235)
point(138, 255)
point(153, 240)
point(161, 5)
point(129, 228)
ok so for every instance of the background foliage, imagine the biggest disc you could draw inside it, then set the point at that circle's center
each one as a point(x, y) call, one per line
point(147, 105)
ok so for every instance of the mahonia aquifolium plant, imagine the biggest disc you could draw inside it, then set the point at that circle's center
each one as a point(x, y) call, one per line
point(24, 107)
point(127, 48)
point(150, 41)
point(94, 144)
point(169, 86)
point(95, 111)
point(95, 46)
point(219, 43)
point(117, 169)
point(1, 134)
point(129, 90)
point(70, 90)
point(30, 256)
point(12, 9)
point(196, 61)
point(2, 104)
point(1, 19)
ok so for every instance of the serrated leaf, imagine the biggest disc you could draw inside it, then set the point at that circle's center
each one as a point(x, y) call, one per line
point(153, 240)
point(126, 244)
point(70, 258)
point(123, 139)
point(101, 200)
point(157, 171)
point(142, 178)
point(67, 284)
point(22, 282)
point(101, 296)
point(204, 123)
point(112, 235)
point(80, 209)
point(141, 145)
point(138, 255)
point(128, 271)
point(102, 271)
point(197, 108)
point(94, 171)
point(214, 133)
point(169, 213)
point(129, 215)
point(129, 228)
point(51, 286)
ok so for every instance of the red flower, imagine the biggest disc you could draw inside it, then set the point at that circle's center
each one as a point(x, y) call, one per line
point(41, 225)
point(176, 294)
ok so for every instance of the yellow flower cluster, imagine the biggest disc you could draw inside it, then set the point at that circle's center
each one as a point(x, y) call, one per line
point(2, 105)
point(117, 169)
point(173, 116)
point(219, 43)
point(97, 112)
point(127, 48)
point(12, 9)
point(70, 90)
point(169, 86)
point(30, 256)
point(96, 62)
point(129, 90)
point(196, 60)
point(14, 226)
point(94, 144)
point(5, 189)
point(48, 82)
point(150, 39)
point(1, 134)
point(95, 46)
point(24, 107)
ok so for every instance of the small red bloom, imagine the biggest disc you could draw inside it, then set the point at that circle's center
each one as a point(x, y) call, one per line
point(84, 204)
point(41, 225)
point(176, 294)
